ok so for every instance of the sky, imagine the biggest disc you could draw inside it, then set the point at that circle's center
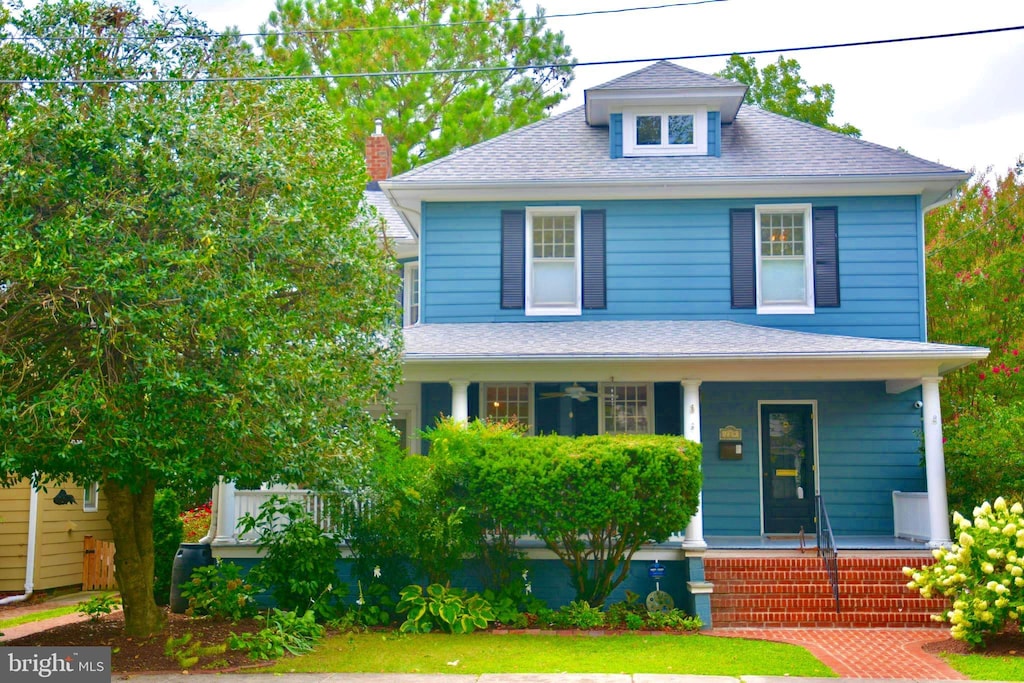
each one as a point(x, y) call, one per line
point(958, 101)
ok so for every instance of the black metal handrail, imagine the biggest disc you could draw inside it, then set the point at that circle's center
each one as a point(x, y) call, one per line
point(827, 547)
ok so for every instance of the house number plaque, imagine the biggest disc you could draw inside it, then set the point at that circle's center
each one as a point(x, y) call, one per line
point(730, 433)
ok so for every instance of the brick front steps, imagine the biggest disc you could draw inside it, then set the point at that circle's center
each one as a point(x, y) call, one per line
point(790, 589)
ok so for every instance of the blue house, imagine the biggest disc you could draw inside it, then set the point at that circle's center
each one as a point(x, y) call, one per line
point(666, 260)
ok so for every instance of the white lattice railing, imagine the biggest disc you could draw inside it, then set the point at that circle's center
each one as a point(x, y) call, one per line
point(910, 516)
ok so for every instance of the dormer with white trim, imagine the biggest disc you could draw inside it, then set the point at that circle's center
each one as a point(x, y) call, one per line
point(664, 110)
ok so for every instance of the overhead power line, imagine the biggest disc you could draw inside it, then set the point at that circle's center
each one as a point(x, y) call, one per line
point(489, 69)
point(394, 27)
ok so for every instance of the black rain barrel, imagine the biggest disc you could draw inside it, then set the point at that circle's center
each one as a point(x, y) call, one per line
point(190, 556)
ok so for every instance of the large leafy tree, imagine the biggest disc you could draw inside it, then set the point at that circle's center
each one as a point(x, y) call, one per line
point(427, 116)
point(780, 88)
point(188, 286)
point(975, 267)
point(975, 251)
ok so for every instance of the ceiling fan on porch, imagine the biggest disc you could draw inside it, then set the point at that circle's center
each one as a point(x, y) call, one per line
point(573, 391)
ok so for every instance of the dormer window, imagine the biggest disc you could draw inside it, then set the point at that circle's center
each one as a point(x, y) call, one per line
point(665, 133)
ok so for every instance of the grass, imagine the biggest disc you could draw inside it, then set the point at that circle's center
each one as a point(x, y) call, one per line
point(985, 668)
point(488, 653)
point(38, 616)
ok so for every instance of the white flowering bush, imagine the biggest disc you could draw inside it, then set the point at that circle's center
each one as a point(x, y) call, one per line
point(982, 573)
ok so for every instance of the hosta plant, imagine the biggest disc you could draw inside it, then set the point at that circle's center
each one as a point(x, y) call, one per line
point(982, 573)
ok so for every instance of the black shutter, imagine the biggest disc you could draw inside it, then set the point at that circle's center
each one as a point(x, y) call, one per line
point(668, 406)
point(742, 239)
point(825, 226)
point(513, 259)
point(593, 260)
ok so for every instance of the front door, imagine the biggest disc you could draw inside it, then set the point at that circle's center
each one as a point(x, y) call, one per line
point(787, 468)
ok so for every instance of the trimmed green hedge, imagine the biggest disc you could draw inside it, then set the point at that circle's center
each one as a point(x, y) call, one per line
point(594, 500)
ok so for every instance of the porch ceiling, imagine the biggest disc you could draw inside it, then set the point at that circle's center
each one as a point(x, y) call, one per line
point(650, 350)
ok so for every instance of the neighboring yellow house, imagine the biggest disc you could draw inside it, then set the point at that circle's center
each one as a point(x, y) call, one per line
point(54, 543)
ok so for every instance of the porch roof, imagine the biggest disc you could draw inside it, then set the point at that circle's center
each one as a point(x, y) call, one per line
point(702, 345)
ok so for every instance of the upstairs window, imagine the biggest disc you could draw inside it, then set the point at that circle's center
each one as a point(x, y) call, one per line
point(785, 270)
point(553, 270)
point(665, 133)
point(411, 305)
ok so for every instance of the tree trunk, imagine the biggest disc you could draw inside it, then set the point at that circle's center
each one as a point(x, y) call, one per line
point(131, 518)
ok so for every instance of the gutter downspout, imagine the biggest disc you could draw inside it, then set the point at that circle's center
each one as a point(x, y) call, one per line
point(212, 532)
point(30, 555)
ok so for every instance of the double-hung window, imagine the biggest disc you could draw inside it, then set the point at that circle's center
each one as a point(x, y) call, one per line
point(626, 408)
point(785, 268)
point(553, 272)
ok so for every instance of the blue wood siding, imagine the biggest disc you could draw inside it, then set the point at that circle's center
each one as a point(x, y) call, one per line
point(669, 259)
point(868, 446)
point(714, 134)
point(615, 136)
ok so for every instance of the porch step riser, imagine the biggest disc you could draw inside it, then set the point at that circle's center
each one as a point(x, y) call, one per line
point(879, 589)
point(795, 592)
point(899, 605)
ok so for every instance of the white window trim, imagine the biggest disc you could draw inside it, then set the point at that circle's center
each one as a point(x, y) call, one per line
point(575, 212)
point(482, 410)
point(94, 504)
point(409, 269)
point(786, 309)
point(700, 132)
point(602, 386)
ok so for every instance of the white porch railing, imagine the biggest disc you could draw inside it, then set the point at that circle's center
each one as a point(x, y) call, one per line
point(910, 516)
point(249, 501)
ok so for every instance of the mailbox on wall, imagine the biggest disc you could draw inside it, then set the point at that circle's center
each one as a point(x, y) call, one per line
point(730, 443)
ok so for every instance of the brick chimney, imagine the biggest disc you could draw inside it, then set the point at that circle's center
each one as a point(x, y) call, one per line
point(378, 154)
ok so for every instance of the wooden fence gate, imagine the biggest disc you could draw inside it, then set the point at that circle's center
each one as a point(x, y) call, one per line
point(98, 565)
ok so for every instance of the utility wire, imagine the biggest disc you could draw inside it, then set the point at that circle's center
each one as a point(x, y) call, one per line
point(394, 27)
point(489, 69)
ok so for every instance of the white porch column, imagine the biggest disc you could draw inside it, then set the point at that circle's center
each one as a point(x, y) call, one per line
point(226, 517)
point(691, 430)
point(460, 400)
point(935, 464)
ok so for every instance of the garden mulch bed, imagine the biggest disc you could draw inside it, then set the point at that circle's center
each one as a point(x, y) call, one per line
point(1005, 644)
point(135, 655)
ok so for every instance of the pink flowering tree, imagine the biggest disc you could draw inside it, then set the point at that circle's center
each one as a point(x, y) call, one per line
point(975, 270)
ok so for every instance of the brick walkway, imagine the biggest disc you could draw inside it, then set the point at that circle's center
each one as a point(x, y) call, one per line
point(863, 652)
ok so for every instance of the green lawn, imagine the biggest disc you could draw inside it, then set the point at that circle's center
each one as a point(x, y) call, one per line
point(982, 668)
point(38, 616)
point(488, 653)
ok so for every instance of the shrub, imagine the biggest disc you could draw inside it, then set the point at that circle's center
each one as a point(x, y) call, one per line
point(982, 573)
point(195, 522)
point(298, 565)
point(167, 535)
point(594, 500)
point(98, 606)
point(187, 653)
point(985, 454)
point(447, 609)
point(579, 614)
point(219, 591)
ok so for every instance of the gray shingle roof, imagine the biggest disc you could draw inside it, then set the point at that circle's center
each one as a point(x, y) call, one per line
point(758, 144)
point(661, 75)
point(395, 227)
point(664, 339)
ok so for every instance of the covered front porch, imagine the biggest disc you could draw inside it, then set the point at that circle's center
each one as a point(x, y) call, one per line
point(783, 416)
